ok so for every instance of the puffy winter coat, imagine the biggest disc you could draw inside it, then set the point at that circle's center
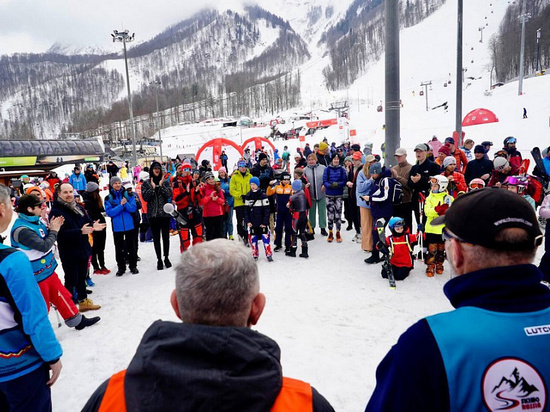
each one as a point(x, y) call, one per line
point(78, 181)
point(363, 189)
point(239, 186)
point(257, 209)
point(380, 201)
point(211, 207)
point(433, 200)
point(314, 175)
point(156, 198)
point(457, 185)
point(334, 180)
point(225, 183)
point(120, 214)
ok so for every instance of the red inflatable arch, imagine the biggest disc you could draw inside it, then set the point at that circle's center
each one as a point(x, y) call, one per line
point(479, 116)
point(212, 150)
point(255, 143)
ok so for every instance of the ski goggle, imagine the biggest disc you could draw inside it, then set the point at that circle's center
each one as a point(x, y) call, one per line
point(476, 186)
point(434, 181)
point(241, 164)
point(511, 140)
point(186, 169)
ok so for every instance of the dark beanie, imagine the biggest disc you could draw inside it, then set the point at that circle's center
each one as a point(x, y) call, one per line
point(261, 157)
point(479, 149)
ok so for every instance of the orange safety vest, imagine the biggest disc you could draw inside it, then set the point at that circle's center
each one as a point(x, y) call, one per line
point(295, 395)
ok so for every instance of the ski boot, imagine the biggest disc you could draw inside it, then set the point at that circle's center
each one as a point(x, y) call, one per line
point(330, 236)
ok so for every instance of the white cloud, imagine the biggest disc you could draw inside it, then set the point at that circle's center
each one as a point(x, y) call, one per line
point(34, 25)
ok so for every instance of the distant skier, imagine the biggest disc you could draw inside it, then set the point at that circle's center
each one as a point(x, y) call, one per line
point(524, 113)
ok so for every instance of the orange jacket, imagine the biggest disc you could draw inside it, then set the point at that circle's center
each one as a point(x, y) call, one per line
point(461, 160)
point(295, 395)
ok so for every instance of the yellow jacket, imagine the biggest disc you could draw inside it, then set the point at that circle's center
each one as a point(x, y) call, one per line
point(432, 201)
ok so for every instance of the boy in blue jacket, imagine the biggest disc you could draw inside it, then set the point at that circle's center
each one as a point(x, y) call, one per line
point(119, 206)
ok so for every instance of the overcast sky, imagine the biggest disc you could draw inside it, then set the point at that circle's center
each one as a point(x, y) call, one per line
point(34, 25)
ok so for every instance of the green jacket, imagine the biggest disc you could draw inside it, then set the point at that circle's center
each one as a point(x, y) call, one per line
point(239, 186)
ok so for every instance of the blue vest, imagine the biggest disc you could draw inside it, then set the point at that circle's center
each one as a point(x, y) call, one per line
point(494, 360)
point(43, 263)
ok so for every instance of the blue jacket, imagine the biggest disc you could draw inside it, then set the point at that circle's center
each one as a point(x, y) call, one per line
point(224, 184)
point(78, 181)
point(121, 215)
point(380, 202)
point(27, 339)
point(363, 189)
point(417, 359)
point(43, 263)
point(334, 180)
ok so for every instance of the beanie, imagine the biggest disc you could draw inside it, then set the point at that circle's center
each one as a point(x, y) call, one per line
point(297, 185)
point(323, 146)
point(261, 157)
point(92, 187)
point(222, 169)
point(445, 150)
point(375, 168)
point(449, 160)
point(204, 163)
point(255, 180)
point(114, 180)
point(479, 149)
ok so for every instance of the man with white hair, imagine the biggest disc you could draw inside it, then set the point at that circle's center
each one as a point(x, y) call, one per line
point(212, 360)
point(28, 346)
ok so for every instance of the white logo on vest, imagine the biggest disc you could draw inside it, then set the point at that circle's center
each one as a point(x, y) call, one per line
point(512, 384)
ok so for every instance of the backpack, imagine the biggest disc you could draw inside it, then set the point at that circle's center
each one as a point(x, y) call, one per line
point(396, 191)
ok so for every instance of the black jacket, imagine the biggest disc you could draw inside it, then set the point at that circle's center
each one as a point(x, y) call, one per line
point(156, 198)
point(426, 170)
point(95, 211)
point(186, 367)
point(73, 245)
point(256, 209)
point(477, 168)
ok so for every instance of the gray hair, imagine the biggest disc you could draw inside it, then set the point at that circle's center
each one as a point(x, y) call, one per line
point(5, 197)
point(216, 283)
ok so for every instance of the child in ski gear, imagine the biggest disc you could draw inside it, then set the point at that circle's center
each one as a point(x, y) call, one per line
point(518, 184)
point(437, 204)
point(476, 184)
point(457, 184)
point(256, 219)
point(298, 207)
point(284, 218)
point(400, 245)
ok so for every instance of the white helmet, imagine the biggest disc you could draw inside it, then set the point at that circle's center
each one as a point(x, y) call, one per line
point(441, 181)
point(143, 176)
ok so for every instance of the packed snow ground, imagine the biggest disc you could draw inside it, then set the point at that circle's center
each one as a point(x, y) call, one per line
point(333, 316)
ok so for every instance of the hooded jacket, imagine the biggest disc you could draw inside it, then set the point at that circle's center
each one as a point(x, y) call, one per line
point(187, 367)
point(239, 186)
point(156, 198)
point(119, 213)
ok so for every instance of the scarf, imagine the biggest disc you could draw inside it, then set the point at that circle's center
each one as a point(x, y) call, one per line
point(71, 206)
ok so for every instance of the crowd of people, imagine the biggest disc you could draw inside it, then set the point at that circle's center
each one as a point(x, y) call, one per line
point(330, 187)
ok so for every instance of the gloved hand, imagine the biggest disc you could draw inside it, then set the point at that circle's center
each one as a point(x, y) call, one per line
point(243, 197)
point(420, 228)
point(334, 184)
point(441, 209)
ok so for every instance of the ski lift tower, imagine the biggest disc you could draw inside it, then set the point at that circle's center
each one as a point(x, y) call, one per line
point(425, 85)
point(339, 107)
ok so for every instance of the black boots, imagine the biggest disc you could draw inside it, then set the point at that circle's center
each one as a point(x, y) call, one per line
point(167, 263)
point(374, 258)
point(304, 252)
point(324, 232)
point(85, 322)
point(291, 252)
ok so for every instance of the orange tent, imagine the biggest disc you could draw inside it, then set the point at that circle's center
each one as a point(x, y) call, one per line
point(212, 150)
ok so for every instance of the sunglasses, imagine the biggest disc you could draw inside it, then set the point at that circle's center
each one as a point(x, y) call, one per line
point(447, 235)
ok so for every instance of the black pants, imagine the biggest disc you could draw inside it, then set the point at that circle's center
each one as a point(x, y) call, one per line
point(404, 210)
point(213, 226)
point(544, 264)
point(351, 213)
point(28, 392)
point(75, 276)
point(98, 249)
point(239, 211)
point(161, 226)
point(125, 244)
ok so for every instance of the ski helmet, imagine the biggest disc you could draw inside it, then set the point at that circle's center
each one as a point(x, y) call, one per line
point(509, 139)
point(441, 181)
point(500, 163)
point(477, 183)
point(396, 222)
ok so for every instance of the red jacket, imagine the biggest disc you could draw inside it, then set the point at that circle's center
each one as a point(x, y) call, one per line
point(457, 185)
point(212, 201)
point(401, 249)
point(184, 193)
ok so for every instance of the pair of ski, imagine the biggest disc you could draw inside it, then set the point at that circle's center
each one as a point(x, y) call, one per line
point(383, 248)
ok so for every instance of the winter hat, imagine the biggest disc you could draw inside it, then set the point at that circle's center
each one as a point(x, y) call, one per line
point(285, 176)
point(355, 147)
point(143, 176)
point(186, 165)
point(478, 216)
point(375, 169)
point(445, 150)
point(114, 180)
point(241, 163)
point(127, 185)
point(204, 163)
point(500, 163)
point(154, 164)
point(335, 154)
point(479, 149)
point(92, 187)
point(255, 180)
point(207, 175)
point(357, 156)
point(448, 161)
point(26, 201)
point(450, 140)
point(31, 189)
point(297, 185)
point(261, 157)
point(348, 158)
point(323, 146)
point(222, 169)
